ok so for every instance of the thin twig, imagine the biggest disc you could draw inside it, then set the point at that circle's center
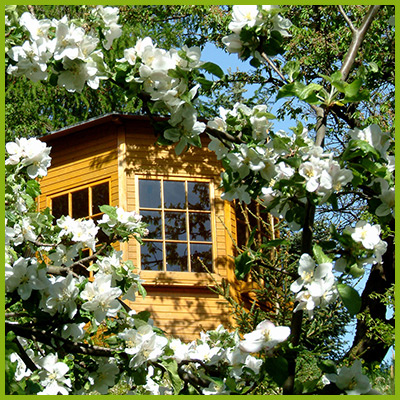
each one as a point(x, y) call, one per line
point(348, 20)
point(273, 66)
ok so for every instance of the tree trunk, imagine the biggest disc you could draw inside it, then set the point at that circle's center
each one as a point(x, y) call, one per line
point(381, 278)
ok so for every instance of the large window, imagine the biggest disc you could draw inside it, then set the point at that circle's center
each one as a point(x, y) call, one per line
point(180, 219)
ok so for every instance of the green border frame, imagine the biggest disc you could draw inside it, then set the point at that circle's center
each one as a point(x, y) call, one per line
point(195, 2)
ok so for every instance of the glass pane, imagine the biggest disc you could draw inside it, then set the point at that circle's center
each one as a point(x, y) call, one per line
point(200, 226)
point(175, 225)
point(80, 203)
point(101, 236)
point(83, 254)
point(149, 193)
point(59, 205)
point(201, 252)
point(176, 257)
point(152, 256)
point(174, 194)
point(100, 197)
point(199, 196)
point(153, 219)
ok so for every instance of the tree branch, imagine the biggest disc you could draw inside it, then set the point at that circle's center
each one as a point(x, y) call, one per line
point(43, 336)
point(347, 19)
point(273, 66)
point(358, 38)
point(24, 356)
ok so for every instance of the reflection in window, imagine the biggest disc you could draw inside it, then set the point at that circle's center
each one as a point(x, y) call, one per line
point(178, 214)
point(81, 203)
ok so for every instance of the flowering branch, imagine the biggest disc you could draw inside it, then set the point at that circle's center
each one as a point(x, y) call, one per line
point(43, 336)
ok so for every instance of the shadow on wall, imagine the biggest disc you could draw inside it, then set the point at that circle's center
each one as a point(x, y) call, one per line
point(183, 311)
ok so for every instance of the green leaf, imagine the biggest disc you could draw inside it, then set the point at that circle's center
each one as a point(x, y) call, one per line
point(162, 141)
point(328, 366)
point(364, 147)
point(292, 69)
point(340, 86)
point(255, 62)
point(277, 368)
point(139, 376)
point(350, 297)
point(205, 83)
point(213, 69)
point(242, 265)
point(355, 271)
point(353, 88)
point(308, 90)
point(33, 188)
point(109, 210)
point(287, 91)
point(180, 147)
point(172, 367)
point(319, 255)
point(194, 141)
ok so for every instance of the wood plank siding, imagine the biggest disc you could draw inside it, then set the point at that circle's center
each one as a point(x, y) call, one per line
point(121, 148)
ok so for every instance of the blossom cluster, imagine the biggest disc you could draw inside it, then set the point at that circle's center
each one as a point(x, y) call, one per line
point(382, 182)
point(315, 286)
point(30, 153)
point(258, 20)
point(145, 348)
point(219, 348)
point(164, 75)
point(363, 245)
point(278, 165)
point(73, 51)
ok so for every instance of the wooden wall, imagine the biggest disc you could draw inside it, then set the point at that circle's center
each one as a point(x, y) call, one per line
point(181, 303)
point(81, 158)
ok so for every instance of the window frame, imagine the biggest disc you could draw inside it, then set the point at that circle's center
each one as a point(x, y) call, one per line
point(179, 277)
point(73, 189)
point(50, 197)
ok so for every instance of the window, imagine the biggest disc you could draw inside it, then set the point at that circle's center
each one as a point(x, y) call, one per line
point(82, 203)
point(179, 218)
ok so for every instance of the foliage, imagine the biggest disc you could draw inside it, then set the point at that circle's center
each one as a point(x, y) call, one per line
point(337, 164)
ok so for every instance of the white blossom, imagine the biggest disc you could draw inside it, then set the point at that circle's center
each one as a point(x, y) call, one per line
point(265, 337)
point(204, 352)
point(104, 377)
point(351, 379)
point(374, 136)
point(101, 298)
point(237, 192)
point(68, 39)
point(64, 256)
point(143, 344)
point(38, 29)
point(366, 234)
point(31, 153)
point(25, 276)
point(52, 376)
point(61, 296)
point(21, 371)
point(243, 15)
